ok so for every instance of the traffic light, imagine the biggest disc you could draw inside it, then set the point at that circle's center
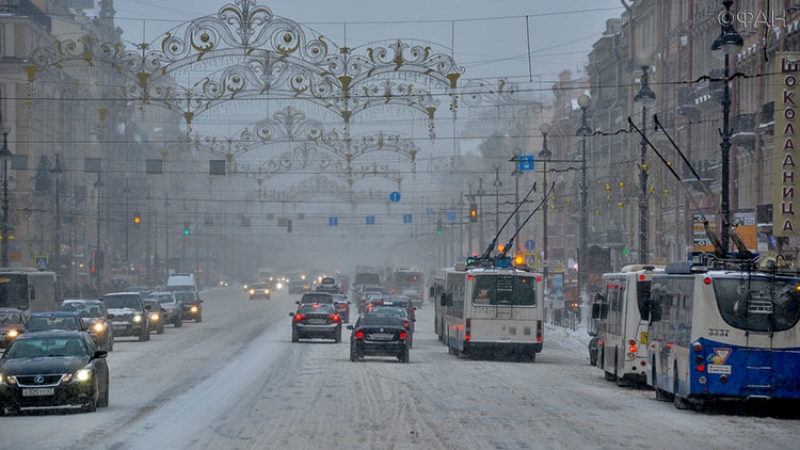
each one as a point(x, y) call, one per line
point(439, 226)
point(186, 229)
point(137, 219)
point(473, 212)
point(519, 260)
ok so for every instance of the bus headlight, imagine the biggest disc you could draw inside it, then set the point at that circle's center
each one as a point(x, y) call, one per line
point(12, 334)
point(137, 318)
point(83, 375)
point(99, 327)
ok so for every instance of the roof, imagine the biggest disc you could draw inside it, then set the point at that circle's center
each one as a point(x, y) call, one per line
point(49, 333)
point(55, 314)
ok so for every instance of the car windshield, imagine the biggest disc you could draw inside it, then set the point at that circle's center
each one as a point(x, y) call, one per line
point(11, 318)
point(185, 296)
point(380, 320)
point(316, 298)
point(42, 323)
point(84, 310)
point(122, 301)
point(388, 310)
point(46, 347)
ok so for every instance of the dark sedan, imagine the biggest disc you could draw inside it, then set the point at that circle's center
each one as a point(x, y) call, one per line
point(95, 317)
point(378, 335)
point(342, 306)
point(12, 324)
point(53, 369)
point(315, 320)
point(191, 305)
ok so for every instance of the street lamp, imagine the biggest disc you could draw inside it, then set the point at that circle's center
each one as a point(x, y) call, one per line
point(497, 184)
point(480, 194)
point(544, 155)
point(166, 235)
point(645, 98)
point(516, 174)
point(729, 42)
point(584, 101)
point(58, 173)
point(5, 156)
point(127, 192)
point(98, 186)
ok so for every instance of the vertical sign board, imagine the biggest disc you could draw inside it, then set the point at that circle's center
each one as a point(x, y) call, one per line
point(787, 145)
point(699, 236)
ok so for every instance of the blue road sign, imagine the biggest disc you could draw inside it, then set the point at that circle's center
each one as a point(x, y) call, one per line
point(451, 216)
point(41, 262)
point(530, 245)
point(370, 220)
point(525, 163)
point(408, 218)
point(394, 197)
point(333, 221)
point(429, 212)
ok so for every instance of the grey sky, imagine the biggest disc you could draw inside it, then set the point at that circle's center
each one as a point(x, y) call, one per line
point(489, 37)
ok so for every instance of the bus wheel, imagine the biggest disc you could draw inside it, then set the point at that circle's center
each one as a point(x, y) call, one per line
point(678, 401)
point(609, 376)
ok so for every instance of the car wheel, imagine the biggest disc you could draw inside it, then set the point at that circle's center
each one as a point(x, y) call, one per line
point(404, 357)
point(178, 322)
point(295, 337)
point(198, 318)
point(353, 356)
point(160, 329)
point(338, 336)
point(110, 344)
point(144, 335)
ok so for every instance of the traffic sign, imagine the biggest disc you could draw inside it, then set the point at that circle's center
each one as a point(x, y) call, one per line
point(40, 261)
point(530, 245)
point(551, 263)
point(370, 220)
point(333, 221)
point(394, 197)
point(531, 259)
point(525, 163)
point(408, 218)
point(429, 212)
point(451, 216)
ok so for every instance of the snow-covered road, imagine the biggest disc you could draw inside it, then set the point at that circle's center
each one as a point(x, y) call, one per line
point(235, 381)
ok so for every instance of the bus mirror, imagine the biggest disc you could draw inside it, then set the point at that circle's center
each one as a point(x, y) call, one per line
point(449, 299)
point(596, 310)
point(443, 299)
point(431, 292)
point(33, 293)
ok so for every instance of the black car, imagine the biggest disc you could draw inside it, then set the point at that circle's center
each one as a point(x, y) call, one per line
point(342, 306)
point(12, 324)
point(54, 320)
point(128, 315)
point(94, 316)
point(378, 335)
point(262, 290)
point(315, 320)
point(316, 297)
point(191, 305)
point(298, 287)
point(53, 369)
point(156, 315)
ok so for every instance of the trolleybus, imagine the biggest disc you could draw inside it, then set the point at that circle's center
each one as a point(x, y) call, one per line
point(620, 315)
point(492, 310)
point(724, 329)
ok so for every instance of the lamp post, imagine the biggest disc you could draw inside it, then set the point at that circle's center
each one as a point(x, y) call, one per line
point(480, 194)
point(58, 173)
point(584, 101)
point(645, 98)
point(127, 193)
point(497, 184)
point(166, 235)
point(516, 173)
point(544, 155)
point(5, 156)
point(729, 42)
point(98, 186)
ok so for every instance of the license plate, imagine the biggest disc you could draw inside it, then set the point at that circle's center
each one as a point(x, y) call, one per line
point(381, 337)
point(317, 321)
point(37, 392)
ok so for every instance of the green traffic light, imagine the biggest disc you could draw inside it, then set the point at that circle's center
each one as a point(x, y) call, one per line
point(438, 231)
point(186, 232)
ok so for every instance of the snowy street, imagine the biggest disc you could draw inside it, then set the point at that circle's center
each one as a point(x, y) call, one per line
point(236, 381)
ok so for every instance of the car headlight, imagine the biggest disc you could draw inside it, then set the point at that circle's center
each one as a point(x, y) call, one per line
point(266, 291)
point(279, 286)
point(83, 375)
point(154, 317)
point(252, 292)
point(12, 334)
point(194, 309)
point(99, 327)
point(137, 318)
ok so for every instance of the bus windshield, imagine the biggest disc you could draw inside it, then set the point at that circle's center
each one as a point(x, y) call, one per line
point(643, 297)
point(504, 290)
point(758, 304)
point(13, 290)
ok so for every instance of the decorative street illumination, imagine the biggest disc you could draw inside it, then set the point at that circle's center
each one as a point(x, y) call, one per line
point(645, 98)
point(544, 156)
point(5, 156)
point(584, 101)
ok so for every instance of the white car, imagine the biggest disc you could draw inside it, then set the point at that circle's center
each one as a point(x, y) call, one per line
point(415, 296)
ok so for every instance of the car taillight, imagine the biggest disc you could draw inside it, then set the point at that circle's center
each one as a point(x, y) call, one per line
point(333, 317)
point(406, 324)
point(403, 335)
point(342, 306)
point(299, 317)
point(359, 334)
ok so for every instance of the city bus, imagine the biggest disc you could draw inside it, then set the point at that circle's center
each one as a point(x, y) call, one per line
point(29, 289)
point(493, 310)
point(439, 287)
point(407, 279)
point(724, 329)
point(620, 315)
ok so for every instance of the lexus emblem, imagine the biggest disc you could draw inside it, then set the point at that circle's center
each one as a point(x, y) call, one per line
point(39, 379)
point(381, 329)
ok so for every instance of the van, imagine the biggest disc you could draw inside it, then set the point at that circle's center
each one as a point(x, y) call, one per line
point(181, 282)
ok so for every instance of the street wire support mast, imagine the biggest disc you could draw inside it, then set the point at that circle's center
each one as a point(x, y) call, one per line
point(58, 173)
point(584, 101)
point(645, 98)
point(98, 253)
point(5, 156)
point(729, 42)
point(497, 184)
point(544, 155)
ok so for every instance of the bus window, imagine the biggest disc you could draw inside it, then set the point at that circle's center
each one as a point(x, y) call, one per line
point(643, 297)
point(504, 290)
point(758, 304)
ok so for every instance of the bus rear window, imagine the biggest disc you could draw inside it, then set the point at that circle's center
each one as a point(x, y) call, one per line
point(504, 290)
point(757, 303)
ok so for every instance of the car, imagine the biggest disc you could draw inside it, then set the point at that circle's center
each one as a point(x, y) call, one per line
point(95, 319)
point(342, 306)
point(155, 314)
point(316, 320)
point(315, 297)
point(262, 290)
point(366, 298)
point(403, 302)
point(54, 320)
point(397, 311)
point(53, 369)
point(170, 308)
point(128, 315)
point(12, 324)
point(191, 305)
point(328, 284)
point(298, 286)
point(378, 335)
point(415, 296)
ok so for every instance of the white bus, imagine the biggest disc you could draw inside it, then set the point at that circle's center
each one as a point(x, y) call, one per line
point(493, 311)
point(29, 289)
point(620, 315)
point(724, 329)
point(439, 287)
